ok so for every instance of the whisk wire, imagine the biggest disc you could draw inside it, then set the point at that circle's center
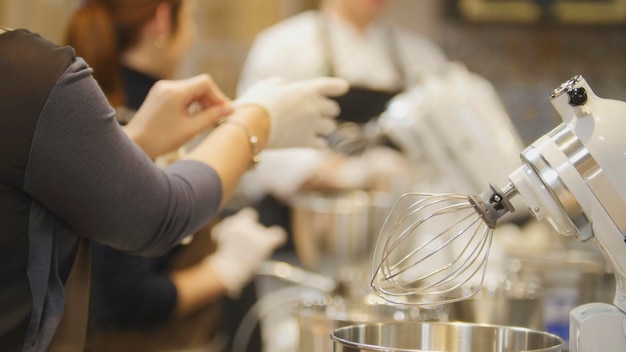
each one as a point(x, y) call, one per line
point(416, 224)
point(433, 249)
point(455, 260)
point(430, 241)
point(413, 209)
point(466, 266)
point(417, 207)
point(456, 273)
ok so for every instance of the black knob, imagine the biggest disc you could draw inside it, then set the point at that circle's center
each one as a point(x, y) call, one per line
point(577, 96)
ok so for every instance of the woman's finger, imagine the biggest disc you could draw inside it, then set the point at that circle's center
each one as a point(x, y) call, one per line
point(202, 88)
point(207, 117)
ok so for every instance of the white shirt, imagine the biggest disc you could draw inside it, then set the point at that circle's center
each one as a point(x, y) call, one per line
point(295, 49)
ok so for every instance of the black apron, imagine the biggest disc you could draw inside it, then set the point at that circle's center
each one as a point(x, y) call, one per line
point(359, 106)
point(192, 333)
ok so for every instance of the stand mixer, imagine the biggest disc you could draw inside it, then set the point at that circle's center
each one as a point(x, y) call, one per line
point(574, 177)
point(335, 232)
point(455, 130)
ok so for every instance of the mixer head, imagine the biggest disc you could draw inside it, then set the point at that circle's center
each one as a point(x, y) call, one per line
point(433, 248)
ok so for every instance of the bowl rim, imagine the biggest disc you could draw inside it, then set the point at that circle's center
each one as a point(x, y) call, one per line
point(348, 343)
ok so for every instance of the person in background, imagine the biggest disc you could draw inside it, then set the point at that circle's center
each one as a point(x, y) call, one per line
point(173, 301)
point(352, 40)
point(348, 39)
point(69, 174)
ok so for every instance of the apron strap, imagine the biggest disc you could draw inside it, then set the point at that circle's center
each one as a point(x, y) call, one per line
point(72, 330)
point(394, 52)
point(327, 50)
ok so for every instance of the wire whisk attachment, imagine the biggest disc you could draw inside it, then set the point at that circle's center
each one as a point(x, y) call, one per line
point(433, 248)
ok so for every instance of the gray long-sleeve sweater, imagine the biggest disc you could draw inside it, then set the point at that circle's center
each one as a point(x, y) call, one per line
point(67, 170)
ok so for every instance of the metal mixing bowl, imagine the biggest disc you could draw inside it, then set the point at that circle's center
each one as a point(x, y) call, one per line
point(335, 232)
point(317, 319)
point(512, 303)
point(442, 337)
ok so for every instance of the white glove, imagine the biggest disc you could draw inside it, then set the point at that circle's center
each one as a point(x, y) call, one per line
point(281, 173)
point(374, 165)
point(242, 244)
point(300, 112)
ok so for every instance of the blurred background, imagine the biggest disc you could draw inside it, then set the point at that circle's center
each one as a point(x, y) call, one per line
point(524, 48)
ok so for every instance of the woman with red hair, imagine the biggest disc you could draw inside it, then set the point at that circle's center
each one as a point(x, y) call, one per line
point(71, 176)
point(126, 40)
point(172, 301)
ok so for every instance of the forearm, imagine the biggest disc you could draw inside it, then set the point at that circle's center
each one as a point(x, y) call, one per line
point(227, 149)
point(136, 137)
point(196, 287)
point(105, 186)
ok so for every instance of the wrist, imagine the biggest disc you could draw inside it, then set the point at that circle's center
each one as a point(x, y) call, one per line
point(209, 271)
point(256, 117)
point(231, 275)
point(253, 140)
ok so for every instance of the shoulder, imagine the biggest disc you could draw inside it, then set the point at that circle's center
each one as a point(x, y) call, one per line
point(284, 49)
point(293, 29)
point(415, 41)
point(420, 50)
point(30, 51)
point(30, 67)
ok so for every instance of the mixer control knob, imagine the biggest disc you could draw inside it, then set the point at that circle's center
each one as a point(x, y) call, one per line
point(577, 96)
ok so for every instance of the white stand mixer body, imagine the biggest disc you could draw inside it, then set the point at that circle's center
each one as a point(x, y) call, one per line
point(575, 177)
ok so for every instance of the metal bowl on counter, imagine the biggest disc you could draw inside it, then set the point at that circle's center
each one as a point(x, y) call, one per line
point(317, 319)
point(442, 337)
point(510, 303)
point(335, 232)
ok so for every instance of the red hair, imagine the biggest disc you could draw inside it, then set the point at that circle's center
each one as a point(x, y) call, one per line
point(101, 30)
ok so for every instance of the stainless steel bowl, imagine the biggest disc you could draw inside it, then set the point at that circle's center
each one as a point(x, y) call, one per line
point(442, 337)
point(317, 319)
point(512, 303)
point(335, 232)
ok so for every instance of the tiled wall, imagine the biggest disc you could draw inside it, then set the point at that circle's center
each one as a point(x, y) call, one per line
point(526, 62)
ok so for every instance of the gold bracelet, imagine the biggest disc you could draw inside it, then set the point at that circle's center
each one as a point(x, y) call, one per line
point(252, 139)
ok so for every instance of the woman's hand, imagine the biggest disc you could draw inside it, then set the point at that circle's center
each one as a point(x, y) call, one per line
point(277, 114)
point(175, 111)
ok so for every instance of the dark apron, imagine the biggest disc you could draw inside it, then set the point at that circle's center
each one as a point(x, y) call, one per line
point(359, 106)
point(192, 333)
